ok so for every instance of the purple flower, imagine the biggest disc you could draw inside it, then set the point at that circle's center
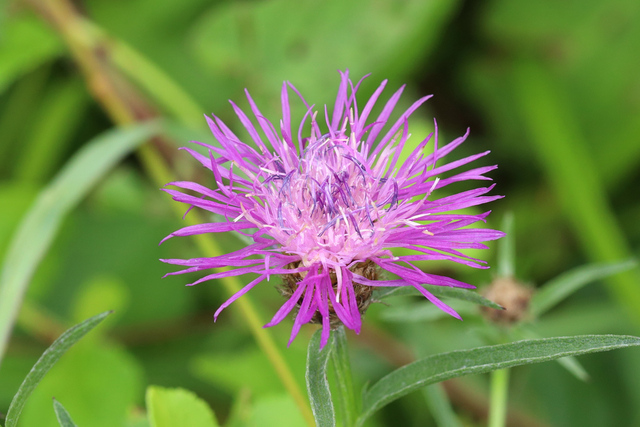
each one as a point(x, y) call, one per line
point(325, 209)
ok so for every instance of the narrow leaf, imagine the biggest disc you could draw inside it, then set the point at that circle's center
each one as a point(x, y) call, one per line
point(64, 419)
point(317, 384)
point(168, 407)
point(439, 406)
point(46, 362)
point(438, 291)
point(556, 290)
point(41, 223)
point(570, 363)
point(574, 367)
point(454, 364)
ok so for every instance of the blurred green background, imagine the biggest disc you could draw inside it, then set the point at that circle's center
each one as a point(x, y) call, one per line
point(551, 88)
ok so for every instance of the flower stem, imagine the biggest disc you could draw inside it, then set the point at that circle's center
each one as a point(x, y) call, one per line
point(499, 392)
point(345, 390)
point(112, 90)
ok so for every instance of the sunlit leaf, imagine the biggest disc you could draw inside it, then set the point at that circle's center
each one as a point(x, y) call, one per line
point(169, 407)
point(276, 410)
point(454, 364)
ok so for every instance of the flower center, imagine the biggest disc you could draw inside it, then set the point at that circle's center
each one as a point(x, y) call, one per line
point(328, 207)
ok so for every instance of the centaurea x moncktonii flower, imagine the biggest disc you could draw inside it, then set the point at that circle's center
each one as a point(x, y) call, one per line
point(325, 209)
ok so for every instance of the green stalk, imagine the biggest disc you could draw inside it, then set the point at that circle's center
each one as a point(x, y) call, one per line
point(499, 392)
point(342, 368)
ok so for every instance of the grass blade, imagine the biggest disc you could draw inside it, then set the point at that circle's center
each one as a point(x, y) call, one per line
point(46, 362)
point(41, 223)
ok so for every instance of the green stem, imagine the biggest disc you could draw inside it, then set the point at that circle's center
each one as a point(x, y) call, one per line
point(345, 390)
point(507, 248)
point(499, 392)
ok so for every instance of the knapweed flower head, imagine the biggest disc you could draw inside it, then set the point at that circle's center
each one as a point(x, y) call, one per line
point(325, 207)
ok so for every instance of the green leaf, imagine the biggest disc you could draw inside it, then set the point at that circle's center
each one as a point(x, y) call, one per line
point(169, 407)
point(570, 363)
point(46, 362)
point(317, 384)
point(454, 364)
point(275, 410)
point(342, 368)
point(64, 419)
point(559, 288)
point(438, 291)
point(41, 223)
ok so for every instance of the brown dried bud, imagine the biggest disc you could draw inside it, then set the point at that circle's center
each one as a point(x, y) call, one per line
point(510, 294)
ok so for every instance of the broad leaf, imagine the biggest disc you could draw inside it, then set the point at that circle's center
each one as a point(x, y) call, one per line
point(169, 407)
point(64, 419)
point(41, 223)
point(317, 384)
point(46, 362)
point(454, 364)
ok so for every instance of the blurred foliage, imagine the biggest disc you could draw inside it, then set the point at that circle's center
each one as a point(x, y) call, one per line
point(551, 88)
